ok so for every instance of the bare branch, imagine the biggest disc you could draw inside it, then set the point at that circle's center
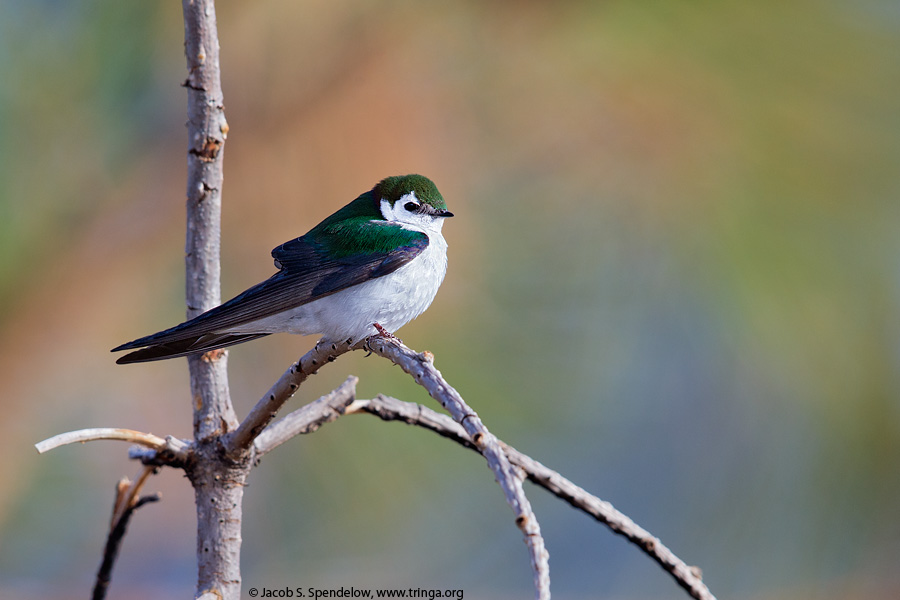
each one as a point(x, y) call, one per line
point(207, 130)
point(308, 418)
point(687, 576)
point(421, 367)
point(392, 409)
point(175, 453)
point(128, 492)
point(218, 481)
point(265, 410)
point(125, 504)
point(102, 433)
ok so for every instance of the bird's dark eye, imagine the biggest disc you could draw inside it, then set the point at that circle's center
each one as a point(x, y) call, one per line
point(411, 206)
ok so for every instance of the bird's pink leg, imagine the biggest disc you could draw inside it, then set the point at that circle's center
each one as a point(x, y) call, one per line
point(384, 332)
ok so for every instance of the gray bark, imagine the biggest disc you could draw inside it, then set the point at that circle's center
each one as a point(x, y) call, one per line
point(217, 480)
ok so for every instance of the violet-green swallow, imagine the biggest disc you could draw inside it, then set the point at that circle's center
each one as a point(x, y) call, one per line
point(375, 264)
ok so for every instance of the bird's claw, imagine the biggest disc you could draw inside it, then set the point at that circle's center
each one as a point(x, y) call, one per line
point(384, 332)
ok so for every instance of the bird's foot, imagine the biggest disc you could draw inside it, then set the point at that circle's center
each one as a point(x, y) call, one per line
point(385, 333)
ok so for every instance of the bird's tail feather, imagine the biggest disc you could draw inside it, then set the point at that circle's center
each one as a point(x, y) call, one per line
point(186, 347)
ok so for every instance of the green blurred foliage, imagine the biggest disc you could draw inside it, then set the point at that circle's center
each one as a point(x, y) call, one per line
point(673, 276)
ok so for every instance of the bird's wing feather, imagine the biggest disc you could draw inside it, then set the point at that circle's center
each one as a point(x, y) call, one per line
point(311, 267)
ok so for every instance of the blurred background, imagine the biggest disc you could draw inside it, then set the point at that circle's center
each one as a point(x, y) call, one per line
point(674, 277)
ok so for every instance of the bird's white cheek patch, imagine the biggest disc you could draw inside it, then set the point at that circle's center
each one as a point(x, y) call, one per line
point(397, 212)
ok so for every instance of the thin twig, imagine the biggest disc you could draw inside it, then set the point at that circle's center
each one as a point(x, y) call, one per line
point(156, 451)
point(128, 495)
point(308, 418)
point(392, 409)
point(176, 454)
point(688, 577)
point(102, 433)
point(125, 504)
point(267, 407)
point(421, 367)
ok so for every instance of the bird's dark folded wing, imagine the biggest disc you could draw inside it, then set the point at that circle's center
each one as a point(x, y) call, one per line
point(308, 272)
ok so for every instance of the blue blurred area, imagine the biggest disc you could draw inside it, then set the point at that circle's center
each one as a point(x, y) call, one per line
point(673, 277)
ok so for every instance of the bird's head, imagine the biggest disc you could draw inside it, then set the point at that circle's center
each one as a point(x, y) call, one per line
point(412, 200)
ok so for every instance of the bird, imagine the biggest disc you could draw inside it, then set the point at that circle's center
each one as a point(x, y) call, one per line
point(369, 268)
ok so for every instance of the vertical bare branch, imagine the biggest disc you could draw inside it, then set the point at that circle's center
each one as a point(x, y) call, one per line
point(218, 480)
point(207, 130)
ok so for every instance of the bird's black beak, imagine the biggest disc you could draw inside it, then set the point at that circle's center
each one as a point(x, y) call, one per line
point(435, 212)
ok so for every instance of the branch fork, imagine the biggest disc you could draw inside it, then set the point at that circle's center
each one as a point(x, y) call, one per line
point(259, 433)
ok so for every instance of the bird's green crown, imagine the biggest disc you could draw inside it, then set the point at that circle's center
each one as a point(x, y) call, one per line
point(394, 188)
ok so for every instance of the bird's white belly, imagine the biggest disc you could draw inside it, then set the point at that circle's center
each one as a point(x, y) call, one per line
point(391, 301)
